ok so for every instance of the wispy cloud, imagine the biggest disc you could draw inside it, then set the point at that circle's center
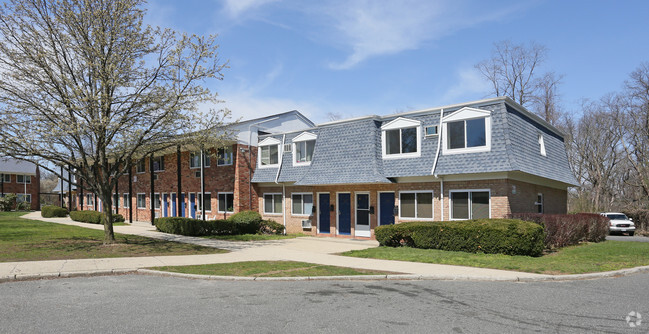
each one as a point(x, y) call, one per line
point(236, 8)
point(470, 84)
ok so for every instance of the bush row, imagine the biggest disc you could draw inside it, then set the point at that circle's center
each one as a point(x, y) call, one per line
point(571, 229)
point(49, 211)
point(245, 222)
point(493, 236)
point(93, 217)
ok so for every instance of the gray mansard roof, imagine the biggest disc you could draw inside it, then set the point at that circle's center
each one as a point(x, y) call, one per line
point(350, 152)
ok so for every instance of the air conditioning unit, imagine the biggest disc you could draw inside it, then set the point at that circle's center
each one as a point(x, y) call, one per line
point(306, 223)
point(288, 147)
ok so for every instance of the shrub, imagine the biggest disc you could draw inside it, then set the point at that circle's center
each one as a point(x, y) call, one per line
point(118, 218)
point(492, 236)
point(248, 222)
point(49, 211)
point(93, 217)
point(8, 202)
point(271, 227)
point(566, 230)
point(198, 227)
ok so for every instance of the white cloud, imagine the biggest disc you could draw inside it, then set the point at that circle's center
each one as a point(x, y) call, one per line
point(470, 85)
point(236, 8)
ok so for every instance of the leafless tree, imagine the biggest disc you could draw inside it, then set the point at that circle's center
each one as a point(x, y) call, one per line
point(334, 116)
point(84, 84)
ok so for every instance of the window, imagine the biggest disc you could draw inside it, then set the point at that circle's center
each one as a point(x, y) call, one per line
point(401, 138)
point(302, 204)
point(416, 204)
point(89, 199)
point(224, 156)
point(467, 133)
point(23, 179)
point(470, 204)
point(272, 203)
point(140, 166)
point(158, 164)
point(20, 198)
point(304, 151)
point(539, 203)
point(269, 155)
point(156, 201)
point(195, 160)
point(126, 203)
point(208, 202)
point(226, 202)
point(431, 131)
point(6, 178)
point(542, 145)
point(116, 200)
point(141, 201)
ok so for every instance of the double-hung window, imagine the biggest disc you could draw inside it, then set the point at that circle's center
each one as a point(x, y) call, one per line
point(224, 156)
point(195, 160)
point(401, 138)
point(467, 130)
point(23, 179)
point(470, 204)
point(304, 151)
point(207, 202)
point(140, 166)
point(302, 204)
point(272, 203)
point(21, 198)
point(269, 155)
point(156, 201)
point(539, 203)
point(159, 164)
point(141, 201)
point(6, 178)
point(416, 204)
point(126, 203)
point(226, 202)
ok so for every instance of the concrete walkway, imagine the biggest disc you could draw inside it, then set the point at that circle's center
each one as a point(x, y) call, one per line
point(304, 249)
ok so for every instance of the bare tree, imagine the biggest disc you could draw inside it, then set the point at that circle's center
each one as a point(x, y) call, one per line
point(84, 84)
point(546, 98)
point(333, 116)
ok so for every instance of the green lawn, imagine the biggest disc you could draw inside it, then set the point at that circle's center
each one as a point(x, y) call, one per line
point(253, 237)
point(585, 258)
point(268, 269)
point(31, 240)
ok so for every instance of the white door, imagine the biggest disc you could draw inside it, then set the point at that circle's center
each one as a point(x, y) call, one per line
point(362, 215)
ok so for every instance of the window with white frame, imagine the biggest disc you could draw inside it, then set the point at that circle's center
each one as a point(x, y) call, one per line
point(303, 147)
point(542, 145)
point(401, 138)
point(207, 201)
point(156, 201)
point(20, 198)
point(6, 178)
point(269, 155)
point(467, 130)
point(159, 164)
point(126, 203)
point(224, 156)
point(141, 201)
point(89, 199)
point(470, 204)
point(195, 160)
point(302, 204)
point(539, 203)
point(23, 179)
point(140, 166)
point(226, 202)
point(417, 204)
point(272, 203)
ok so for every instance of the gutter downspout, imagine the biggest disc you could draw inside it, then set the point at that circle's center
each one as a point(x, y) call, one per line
point(279, 168)
point(439, 145)
point(250, 157)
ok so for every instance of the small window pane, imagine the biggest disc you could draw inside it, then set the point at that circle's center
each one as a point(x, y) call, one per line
point(268, 203)
point(456, 135)
point(274, 154)
point(475, 132)
point(392, 142)
point(409, 140)
point(480, 205)
point(297, 204)
point(277, 202)
point(224, 156)
point(208, 202)
point(308, 204)
point(304, 151)
point(408, 205)
point(460, 205)
point(156, 201)
point(424, 205)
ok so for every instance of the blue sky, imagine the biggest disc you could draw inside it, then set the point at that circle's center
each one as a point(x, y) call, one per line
point(362, 57)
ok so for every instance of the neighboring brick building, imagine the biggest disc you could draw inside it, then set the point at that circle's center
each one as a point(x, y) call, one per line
point(482, 159)
point(21, 178)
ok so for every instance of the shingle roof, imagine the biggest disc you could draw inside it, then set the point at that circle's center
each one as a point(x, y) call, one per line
point(13, 166)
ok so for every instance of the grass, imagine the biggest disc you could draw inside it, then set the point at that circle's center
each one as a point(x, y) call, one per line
point(585, 258)
point(268, 269)
point(30, 240)
point(254, 237)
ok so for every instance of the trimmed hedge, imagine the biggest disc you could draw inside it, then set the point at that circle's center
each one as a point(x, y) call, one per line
point(567, 230)
point(246, 222)
point(271, 227)
point(93, 217)
point(492, 236)
point(198, 227)
point(49, 211)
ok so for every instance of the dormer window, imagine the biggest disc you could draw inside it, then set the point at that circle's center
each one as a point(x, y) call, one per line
point(303, 147)
point(269, 153)
point(467, 130)
point(401, 138)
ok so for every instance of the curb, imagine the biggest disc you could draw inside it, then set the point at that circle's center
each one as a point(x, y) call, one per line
point(67, 274)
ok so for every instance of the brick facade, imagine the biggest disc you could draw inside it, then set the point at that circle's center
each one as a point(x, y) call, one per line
point(33, 188)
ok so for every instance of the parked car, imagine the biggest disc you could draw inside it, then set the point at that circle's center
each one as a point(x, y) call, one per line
point(619, 223)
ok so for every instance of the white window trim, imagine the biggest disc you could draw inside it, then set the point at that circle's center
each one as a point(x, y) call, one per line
point(450, 202)
point(200, 207)
point(542, 203)
point(162, 160)
point(466, 114)
point(24, 178)
point(231, 156)
point(154, 201)
point(23, 195)
point(303, 137)
point(218, 194)
point(302, 214)
point(144, 169)
point(399, 124)
point(4, 176)
point(206, 154)
point(264, 204)
point(270, 142)
point(137, 203)
point(416, 213)
point(128, 200)
point(542, 145)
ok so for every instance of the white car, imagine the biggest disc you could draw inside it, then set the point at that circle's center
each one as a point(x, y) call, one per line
point(619, 223)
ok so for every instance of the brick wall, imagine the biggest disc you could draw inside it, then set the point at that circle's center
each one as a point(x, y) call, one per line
point(33, 188)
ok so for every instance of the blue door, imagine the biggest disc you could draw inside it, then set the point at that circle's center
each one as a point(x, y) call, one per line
point(323, 216)
point(182, 205)
point(386, 208)
point(165, 205)
point(344, 214)
point(173, 205)
point(192, 205)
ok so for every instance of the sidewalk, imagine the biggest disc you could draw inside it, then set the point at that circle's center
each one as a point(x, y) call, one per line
point(304, 249)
